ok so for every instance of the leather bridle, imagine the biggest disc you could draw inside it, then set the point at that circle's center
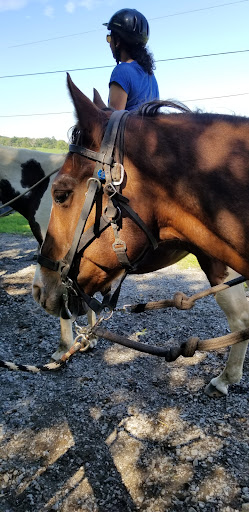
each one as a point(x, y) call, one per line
point(107, 177)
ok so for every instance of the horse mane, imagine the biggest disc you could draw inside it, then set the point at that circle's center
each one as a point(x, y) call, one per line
point(151, 108)
point(148, 109)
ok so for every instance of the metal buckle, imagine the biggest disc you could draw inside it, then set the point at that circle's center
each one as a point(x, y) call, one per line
point(119, 245)
point(114, 219)
point(110, 190)
point(95, 180)
point(117, 165)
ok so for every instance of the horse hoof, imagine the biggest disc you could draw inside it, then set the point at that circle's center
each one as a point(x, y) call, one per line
point(56, 356)
point(54, 359)
point(211, 391)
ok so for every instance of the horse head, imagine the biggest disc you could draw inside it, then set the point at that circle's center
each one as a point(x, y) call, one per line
point(97, 265)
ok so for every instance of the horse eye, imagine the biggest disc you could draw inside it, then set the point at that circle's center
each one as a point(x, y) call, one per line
point(61, 196)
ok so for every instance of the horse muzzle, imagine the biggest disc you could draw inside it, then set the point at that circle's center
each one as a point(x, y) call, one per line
point(48, 293)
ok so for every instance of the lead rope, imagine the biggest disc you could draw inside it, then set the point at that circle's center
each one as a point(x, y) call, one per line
point(185, 349)
point(82, 343)
point(180, 300)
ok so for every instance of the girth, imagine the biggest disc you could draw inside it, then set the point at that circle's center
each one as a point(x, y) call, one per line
point(107, 177)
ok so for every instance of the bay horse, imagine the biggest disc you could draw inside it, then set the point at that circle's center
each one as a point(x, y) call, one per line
point(183, 187)
point(21, 169)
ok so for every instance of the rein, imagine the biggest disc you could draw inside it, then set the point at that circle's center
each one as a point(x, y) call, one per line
point(107, 177)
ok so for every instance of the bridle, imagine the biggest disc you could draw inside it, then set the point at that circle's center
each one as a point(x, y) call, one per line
point(107, 177)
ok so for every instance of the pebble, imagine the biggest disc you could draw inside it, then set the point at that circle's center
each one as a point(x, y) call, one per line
point(201, 504)
point(210, 459)
point(58, 412)
point(55, 506)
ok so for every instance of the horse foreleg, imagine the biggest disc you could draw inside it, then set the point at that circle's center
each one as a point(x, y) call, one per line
point(91, 318)
point(67, 338)
point(234, 304)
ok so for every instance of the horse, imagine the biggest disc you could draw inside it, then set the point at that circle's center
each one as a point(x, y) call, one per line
point(21, 169)
point(182, 188)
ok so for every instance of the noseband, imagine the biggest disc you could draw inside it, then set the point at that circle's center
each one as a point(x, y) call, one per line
point(107, 178)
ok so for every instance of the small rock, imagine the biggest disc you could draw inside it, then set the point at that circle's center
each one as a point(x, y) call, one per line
point(55, 506)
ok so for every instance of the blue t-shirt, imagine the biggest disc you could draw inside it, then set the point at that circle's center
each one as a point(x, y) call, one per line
point(137, 83)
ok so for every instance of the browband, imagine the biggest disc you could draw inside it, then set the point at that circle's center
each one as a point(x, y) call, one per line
point(92, 155)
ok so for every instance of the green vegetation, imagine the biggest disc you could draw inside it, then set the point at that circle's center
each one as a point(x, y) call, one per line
point(15, 224)
point(189, 261)
point(47, 144)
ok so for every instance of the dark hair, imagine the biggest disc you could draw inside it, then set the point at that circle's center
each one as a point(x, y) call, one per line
point(136, 52)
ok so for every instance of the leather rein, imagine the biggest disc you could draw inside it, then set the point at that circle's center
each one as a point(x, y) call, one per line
point(107, 177)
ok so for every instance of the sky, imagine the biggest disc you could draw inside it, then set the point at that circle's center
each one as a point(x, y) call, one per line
point(41, 37)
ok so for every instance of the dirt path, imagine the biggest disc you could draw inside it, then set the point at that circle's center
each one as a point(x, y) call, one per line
point(116, 430)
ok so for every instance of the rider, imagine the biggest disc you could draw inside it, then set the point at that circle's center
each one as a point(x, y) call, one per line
point(132, 81)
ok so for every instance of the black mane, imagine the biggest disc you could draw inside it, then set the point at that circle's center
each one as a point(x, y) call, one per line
point(151, 108)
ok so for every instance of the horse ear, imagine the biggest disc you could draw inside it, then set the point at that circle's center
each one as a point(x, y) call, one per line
point(97, 100)
point(90, 117)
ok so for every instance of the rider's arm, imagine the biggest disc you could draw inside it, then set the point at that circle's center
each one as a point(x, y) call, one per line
point(117, 97)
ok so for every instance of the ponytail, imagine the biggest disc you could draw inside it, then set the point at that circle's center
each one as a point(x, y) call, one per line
point(137, 52)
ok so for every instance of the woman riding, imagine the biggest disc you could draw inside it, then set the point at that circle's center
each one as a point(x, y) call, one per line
point(132, 81)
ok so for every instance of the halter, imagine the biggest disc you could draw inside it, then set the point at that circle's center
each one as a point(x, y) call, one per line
point(107, 179)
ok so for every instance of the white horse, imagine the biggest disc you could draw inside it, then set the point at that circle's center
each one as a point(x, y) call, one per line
point(20, 169)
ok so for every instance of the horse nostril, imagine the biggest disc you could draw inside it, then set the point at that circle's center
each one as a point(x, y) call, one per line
point(43, 304)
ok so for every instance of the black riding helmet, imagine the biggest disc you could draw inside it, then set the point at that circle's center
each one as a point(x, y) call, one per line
point(131, 25)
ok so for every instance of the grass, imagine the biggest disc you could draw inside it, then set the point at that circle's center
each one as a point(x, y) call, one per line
point(189, 261)
point(49, 150)
point(16, 224)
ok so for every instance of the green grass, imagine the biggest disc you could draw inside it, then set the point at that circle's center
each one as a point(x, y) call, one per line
point(49, 150)
point(189, 261)
point(15, 224)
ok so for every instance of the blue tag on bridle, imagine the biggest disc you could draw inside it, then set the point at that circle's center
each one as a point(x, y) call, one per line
point(101, 174)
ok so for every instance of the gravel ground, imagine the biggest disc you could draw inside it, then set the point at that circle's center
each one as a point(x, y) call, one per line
point(115, 430)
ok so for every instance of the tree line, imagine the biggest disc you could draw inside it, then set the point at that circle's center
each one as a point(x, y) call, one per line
point(49, 143)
